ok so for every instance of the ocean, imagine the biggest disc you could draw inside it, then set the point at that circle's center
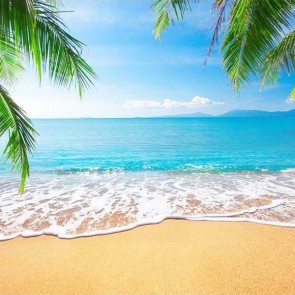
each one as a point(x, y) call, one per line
point(99, 176)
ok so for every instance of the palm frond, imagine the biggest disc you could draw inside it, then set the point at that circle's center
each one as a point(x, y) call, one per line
point(166, 11)
point(36, 27)
point(58, 52)
point(162, 20)
point(21, 139)
point(278, 60)
point(16, 21)
point(10, 61)
point(33, 29)
point(254, 28)
point(221, 7)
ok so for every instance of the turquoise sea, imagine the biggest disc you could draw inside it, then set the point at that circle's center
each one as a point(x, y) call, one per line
point(189, 144)
point(93, 176)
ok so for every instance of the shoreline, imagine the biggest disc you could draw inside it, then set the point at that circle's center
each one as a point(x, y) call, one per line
point(173, 257)
point(116, 202)
point(224, 219)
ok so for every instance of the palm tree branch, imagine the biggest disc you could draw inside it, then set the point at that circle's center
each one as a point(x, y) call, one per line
point(280, 59)
point(21, 138)
point(166, 11)
point(254, 28)
point(221, 7)
point(59, 52)
point(43, 38)
point(10, 61)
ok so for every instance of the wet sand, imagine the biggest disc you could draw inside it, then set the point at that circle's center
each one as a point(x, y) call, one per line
point(174, 257)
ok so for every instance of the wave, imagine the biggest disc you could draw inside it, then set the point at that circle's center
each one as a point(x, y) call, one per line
point(86, 204)
point(160, 167)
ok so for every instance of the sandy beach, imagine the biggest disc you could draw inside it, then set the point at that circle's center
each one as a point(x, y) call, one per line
point(174, 257)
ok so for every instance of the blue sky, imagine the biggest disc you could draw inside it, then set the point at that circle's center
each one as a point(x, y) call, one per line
point(140, 76)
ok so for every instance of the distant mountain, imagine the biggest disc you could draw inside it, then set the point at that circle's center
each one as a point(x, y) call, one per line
point(259, 114)
point(238, 114)
point(192, 115)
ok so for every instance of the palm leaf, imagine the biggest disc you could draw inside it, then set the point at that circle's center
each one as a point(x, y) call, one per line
point(162, 17)
point(10, 61)
point(21, 139)
point(44, 39)
point(221, 7)
point(166, 11)
point(280, 59)
point(16, 21)
point(254, 28)
point(58, 52)
point(33, 29)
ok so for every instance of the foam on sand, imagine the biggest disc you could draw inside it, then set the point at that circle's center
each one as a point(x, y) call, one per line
point(86, 204)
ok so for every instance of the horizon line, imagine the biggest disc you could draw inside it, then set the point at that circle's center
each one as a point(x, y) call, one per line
point(176, 116)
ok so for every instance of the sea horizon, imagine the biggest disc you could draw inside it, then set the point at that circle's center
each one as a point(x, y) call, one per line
point(267, 113)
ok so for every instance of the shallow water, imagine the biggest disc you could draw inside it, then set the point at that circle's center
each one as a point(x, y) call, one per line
point(99, 176)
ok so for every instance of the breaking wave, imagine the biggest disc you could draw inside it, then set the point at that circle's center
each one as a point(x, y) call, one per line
point(85, 204)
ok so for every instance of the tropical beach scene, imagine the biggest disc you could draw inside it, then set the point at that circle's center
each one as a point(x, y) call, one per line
point(147, 147)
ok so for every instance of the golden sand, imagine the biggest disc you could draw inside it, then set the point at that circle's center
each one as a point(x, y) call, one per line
point(175, 257)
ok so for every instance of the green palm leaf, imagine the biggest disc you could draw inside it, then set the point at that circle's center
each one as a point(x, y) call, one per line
point(221, 8)
point(254, 28)
point(280, 59)
point(58, 52)
point(252, 34)
point(162, 17)
point(10, 61)
point(166, 11)
point(44, 39)
point(33, 30)
point(21, 139)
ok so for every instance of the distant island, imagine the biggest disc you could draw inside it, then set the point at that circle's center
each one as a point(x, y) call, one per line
point(230, 114)
point(193, 115)
point(239, 113)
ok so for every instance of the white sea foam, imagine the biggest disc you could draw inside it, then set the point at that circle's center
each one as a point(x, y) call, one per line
point(86, 204)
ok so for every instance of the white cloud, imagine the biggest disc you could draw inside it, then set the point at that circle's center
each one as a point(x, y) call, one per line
point(195, 102)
